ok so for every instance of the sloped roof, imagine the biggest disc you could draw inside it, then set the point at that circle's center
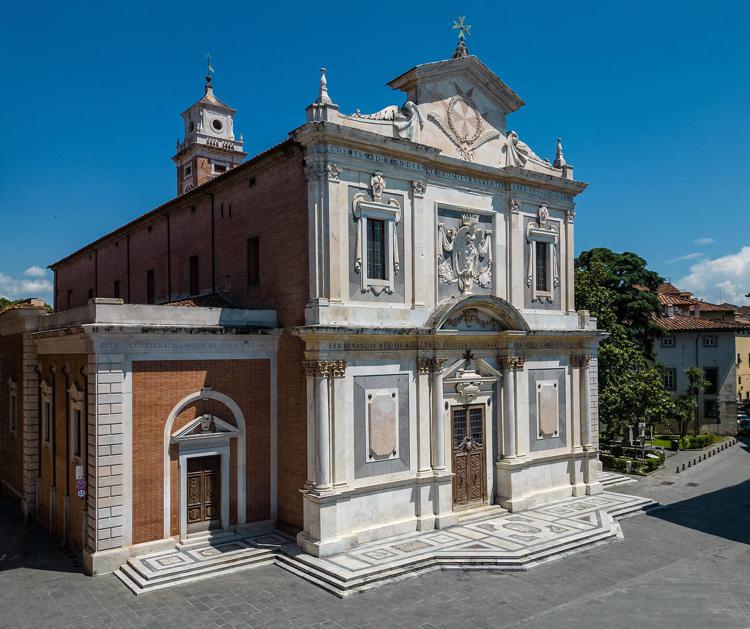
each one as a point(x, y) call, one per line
point(679, 323)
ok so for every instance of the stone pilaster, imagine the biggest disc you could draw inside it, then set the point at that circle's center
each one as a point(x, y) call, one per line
point(29, 424)
point(438, 415)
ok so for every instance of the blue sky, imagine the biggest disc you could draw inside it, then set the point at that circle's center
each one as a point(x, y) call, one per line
point(652, 100)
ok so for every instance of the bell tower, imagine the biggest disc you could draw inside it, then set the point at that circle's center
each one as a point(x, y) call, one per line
point(209, 147)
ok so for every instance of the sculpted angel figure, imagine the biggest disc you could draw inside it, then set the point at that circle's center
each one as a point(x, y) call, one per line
point(407, 121)
point(517, 152)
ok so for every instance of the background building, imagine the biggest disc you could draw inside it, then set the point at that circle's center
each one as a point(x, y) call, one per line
point(708, 336)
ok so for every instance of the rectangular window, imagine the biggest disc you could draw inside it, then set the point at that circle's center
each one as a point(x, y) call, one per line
point(116, 289)
point(46, 421)
point(220, 168)
point(541, 266)
point(187, 171)
point(13, 412)
point(710, 341)
point(150, 287)
point(670, 378)
point(711, 374)
point(194, 278)
point(711, 409)
point(376, 249)
point(667, 341)
point(253, 261)
point(76, 432)
point(69, 297)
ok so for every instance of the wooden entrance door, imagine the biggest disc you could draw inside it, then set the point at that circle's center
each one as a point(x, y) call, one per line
point(469, 480)
point(203, 493)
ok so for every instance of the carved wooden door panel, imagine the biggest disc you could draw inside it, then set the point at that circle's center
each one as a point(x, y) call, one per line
point(468, 455)
point(203, 493)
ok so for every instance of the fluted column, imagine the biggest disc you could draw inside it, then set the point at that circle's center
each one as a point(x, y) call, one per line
point(438, 417)
point(320, 370)
point(509, 407)
point(584, 361)
point(424, 367)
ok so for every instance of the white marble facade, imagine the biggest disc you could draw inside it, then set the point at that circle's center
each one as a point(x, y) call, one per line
point(468, 315)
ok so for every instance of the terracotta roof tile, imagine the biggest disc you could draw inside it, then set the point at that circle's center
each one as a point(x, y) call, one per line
point(685, 323)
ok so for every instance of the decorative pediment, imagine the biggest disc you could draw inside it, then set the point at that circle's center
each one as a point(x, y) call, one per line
point(477, 313)
point(205, 427)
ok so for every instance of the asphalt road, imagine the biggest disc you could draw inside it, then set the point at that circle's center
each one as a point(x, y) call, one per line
point(684, 565)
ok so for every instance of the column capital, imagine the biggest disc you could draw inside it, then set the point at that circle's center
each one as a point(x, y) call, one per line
point(424, 365)
point(581, 360)
point(317, 368)
point(338, 368)
point(515, 363)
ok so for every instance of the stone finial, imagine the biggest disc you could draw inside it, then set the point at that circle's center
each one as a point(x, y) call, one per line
point(464, 31)
point(559, 158)
point(323, 97)
point(323, 109)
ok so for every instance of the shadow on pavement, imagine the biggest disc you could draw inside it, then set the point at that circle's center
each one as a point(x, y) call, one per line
point(724, 513)
point(27, 545)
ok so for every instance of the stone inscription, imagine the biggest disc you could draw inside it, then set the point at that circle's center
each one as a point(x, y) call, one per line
point(550, 194)
point(385, 346)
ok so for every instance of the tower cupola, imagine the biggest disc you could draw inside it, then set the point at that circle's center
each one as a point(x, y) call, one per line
point(209, 147)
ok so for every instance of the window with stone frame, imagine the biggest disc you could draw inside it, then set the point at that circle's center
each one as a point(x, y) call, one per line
point(253, 261)
point(670, 379)
point(711, 409)
point(12, 406)
point(47, 416)
point(376, 266)
point(667, 341)
point(542, 241)
point(711, 375)
point(75, 403)
point(710, 341)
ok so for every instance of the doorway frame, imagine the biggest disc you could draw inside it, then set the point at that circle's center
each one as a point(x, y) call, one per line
point(187, 452)
point(484, 407)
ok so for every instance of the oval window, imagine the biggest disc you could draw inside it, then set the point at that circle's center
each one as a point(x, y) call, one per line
point(216, 124)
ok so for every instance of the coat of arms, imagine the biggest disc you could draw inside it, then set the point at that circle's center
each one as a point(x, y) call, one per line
point(466, 254)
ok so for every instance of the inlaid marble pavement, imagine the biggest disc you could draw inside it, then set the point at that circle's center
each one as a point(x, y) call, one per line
point(499, 541)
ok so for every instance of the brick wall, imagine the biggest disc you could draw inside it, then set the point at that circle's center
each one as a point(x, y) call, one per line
point(266, 198)
point(157, 387)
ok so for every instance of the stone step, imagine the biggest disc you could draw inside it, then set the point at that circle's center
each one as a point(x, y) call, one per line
point(342, 586)
point(482, 512)
point(641, 506)
point(139, 583)
point(208, 538)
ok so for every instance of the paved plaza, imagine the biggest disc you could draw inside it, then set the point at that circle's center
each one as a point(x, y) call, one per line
point(686, 564)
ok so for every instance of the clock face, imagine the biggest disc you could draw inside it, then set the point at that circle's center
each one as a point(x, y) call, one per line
point(217, 125)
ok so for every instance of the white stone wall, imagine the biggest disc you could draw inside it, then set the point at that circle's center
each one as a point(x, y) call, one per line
point(594, 381)
point(106, 440)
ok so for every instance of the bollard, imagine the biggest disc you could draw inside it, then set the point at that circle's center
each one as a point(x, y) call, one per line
point(688, 463)
point(678, 470)
point(683, 466)
point(693, 461)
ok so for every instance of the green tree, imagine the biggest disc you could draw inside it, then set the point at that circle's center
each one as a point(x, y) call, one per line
point(683, 413)
point(631, 386)
point(696, 384)
point(620, 290)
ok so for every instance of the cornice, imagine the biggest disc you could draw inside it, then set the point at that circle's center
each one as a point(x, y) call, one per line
point(314, 134)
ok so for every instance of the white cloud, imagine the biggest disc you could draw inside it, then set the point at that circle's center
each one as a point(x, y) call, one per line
point(35, 271)
point(702, 242)
point(36, 283)
point(721, 279)
point(688, 256)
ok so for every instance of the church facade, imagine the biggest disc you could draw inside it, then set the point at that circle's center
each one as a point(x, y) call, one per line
point(366, 330)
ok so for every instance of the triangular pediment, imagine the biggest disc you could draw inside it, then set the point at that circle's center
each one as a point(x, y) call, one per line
point(418, 81)
point(205, 427)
